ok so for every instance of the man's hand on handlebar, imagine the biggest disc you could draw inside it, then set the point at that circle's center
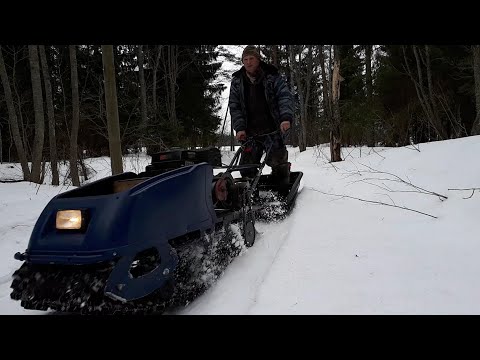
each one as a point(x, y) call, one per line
point(241, 135)
point(284, 126)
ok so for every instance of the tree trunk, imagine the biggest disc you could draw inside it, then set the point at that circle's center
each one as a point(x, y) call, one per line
point(326, 90)
point(306, 102)
point(51, 116)
point(335, 136)
point(39, 113)
point(83, 167)
point(368, 72)
point(476, 74)
point(19, 105)
point(112, 109)
point(154, 90)
point(330, 72)
point(75, 117)
point(295, 139)
point(143, 90)
point(369, 87)
point(275, 55)
point(301, 95)
point(42, 172)
point(417, 86)
point(327, 104)
point(428, 107)
point(12, 120)
point(171, 74)
point(431, 96)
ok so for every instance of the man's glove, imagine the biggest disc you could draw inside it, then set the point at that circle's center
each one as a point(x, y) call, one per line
point(284, 126)
point(241, 135)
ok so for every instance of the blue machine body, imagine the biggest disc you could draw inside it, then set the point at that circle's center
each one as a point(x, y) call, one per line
point(120, 225)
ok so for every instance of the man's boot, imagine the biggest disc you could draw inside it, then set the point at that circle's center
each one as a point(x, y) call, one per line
point(281, 178)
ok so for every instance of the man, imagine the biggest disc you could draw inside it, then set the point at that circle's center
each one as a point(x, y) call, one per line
point(260, 102)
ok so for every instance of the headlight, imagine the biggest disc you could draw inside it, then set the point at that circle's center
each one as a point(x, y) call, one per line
point(69, 220)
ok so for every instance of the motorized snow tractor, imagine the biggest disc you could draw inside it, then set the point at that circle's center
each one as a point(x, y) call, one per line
point(147, 242)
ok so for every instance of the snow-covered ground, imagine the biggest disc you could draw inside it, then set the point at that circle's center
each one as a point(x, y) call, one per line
point(414, 254)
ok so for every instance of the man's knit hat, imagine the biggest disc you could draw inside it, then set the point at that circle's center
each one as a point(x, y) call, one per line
point(251, 50)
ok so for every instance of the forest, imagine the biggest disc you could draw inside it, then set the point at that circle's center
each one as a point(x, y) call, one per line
point(64, 103)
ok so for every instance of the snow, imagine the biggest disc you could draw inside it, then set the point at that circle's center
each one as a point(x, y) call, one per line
point(333, 254)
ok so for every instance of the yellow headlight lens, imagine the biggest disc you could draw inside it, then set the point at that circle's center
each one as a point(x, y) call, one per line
point(69, 220)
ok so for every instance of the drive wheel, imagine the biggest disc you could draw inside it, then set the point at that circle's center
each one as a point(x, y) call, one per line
point(249, 232)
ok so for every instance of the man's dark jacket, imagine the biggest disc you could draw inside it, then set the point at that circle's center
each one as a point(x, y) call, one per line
point(278, 96)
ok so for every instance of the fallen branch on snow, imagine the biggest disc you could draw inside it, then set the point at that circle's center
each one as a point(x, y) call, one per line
point(467, 189)
point(383, 157)
point(326, 158)
point(396, 179)
point(10, 181)
point(372, 202)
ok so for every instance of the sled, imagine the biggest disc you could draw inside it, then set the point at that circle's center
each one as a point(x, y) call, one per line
point(143, 243)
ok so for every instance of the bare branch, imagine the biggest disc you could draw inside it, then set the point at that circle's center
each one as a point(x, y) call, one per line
point(372, 202)
point(388, 187)
point(348, 153)
point(406, 182)
point(355, 166)
point(326, 158)
point(414, 147)
point(351, 173)
point(10, 181)
point(378, 154)
point(385, 187)
point(473, 192)
point(393, 202)
point(467, 189)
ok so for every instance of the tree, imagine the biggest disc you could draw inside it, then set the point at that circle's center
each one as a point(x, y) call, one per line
point(424, 87)
point(12, 119)
point(112, 109)
point(326, 93)
point(476, 72)
point(39, 113)
point(75, 117)
point(335, 136)
point(156, 63)
point(198, 95)
point(51, 116)
point(303, 80)
point(143, 89)
point(369, 88)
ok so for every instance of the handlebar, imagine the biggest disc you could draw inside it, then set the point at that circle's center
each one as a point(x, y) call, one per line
point(267, 144)
point(253, 138)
